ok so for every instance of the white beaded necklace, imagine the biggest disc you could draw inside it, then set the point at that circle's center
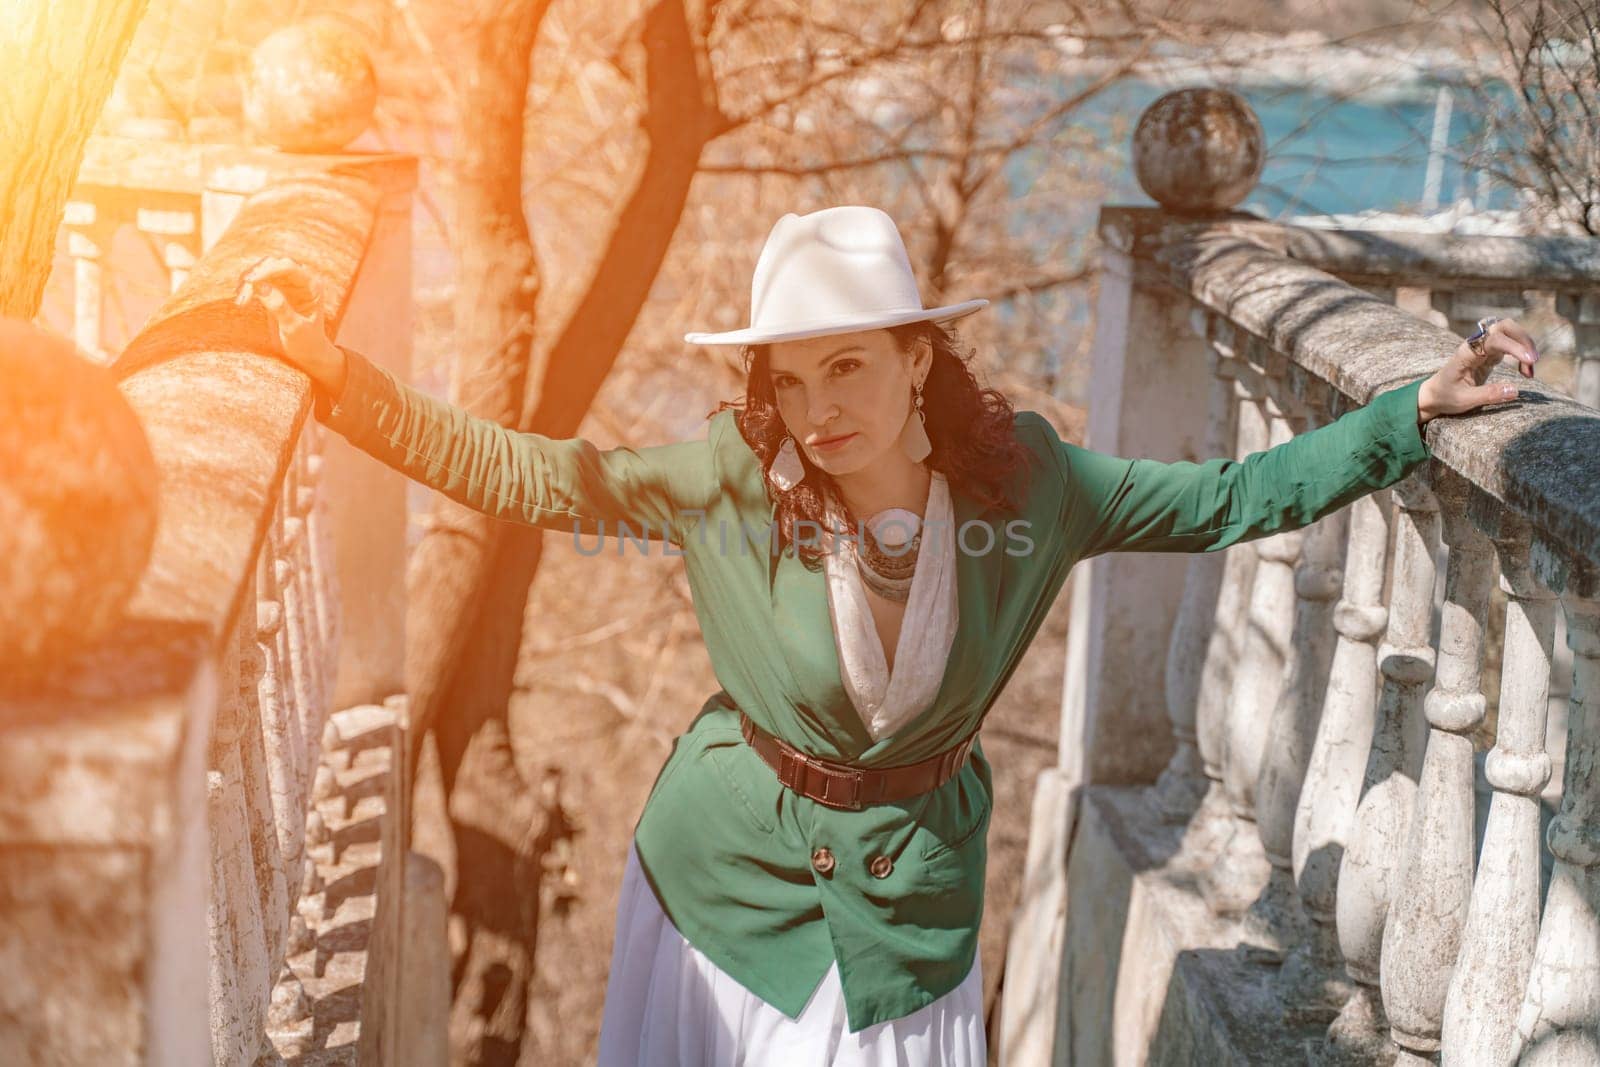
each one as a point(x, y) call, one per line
point(898, 532)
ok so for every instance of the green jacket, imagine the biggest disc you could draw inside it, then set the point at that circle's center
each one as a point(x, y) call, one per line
point(727, 849)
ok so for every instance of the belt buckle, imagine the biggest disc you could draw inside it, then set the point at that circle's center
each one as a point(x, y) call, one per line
point(853, 775)
point(791, 767)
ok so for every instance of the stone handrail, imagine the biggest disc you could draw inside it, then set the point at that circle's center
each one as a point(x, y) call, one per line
point(1441, 955)
point(1540, 458)
point(199, 761)
point(1428, 259)
point(1458, 280)
point(242, 549)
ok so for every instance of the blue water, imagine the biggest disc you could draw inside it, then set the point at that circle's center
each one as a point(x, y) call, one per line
point(1325, 154)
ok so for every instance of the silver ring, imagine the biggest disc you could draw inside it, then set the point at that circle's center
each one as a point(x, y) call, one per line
point(1477, 341)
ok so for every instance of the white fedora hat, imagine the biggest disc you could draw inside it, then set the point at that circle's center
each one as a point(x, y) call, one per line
point(837, 270)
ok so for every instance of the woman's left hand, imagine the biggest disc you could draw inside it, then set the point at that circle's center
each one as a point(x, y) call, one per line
point(1458, 386)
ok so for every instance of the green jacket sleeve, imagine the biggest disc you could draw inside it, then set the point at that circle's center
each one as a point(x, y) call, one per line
point(1122, 505)
point(521, 477)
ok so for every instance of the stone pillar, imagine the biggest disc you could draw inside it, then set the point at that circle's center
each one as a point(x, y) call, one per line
point(366, 502)
point(423, 1009)
point(86, 245)
point(104, 726)
point(104, 868)
point(1314, 987)
point(1497, 951)
point(1583, 311)
point(178, 234)
point(310, 91)
point(1369, 872)
point(1241, 871)
point(1184, 782)
point(1274, 920)
point(1196, 152)
point(1428, 916)
point(1147, 365)
point(1557, 1025)
point(1225, 639)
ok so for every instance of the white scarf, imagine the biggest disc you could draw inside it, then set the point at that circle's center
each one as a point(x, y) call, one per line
point(884, 702)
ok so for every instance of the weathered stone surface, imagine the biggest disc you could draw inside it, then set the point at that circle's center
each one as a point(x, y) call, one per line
point(424, 1005)
point(221, 418)
point(102, 871)
point(1198, 151)
point(1437, 260)
point(71, 946)
point(1033, 950)
point(1150, 975)
point(1538, 456)
point(78, 497)
point(311, 87)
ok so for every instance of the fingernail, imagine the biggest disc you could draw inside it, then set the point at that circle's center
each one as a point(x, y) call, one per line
point(1508, 390)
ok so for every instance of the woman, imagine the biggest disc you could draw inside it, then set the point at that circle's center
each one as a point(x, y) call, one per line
point(872, 540)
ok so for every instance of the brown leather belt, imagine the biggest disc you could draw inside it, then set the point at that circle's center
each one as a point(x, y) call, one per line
point(839, 785)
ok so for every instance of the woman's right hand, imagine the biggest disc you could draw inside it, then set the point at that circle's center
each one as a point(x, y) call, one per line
point(294, 307)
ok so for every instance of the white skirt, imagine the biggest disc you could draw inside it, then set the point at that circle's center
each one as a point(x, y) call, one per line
point(667, 1005)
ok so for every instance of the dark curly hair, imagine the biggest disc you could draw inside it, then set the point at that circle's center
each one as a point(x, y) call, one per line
point(970, 427)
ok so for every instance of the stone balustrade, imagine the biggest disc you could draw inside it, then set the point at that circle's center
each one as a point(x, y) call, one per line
point(203, 818)
point(1457, 280)
point(1317, 865)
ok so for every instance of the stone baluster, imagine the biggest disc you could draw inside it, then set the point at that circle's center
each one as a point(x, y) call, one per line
point(241, 969)
point(1369, 873)
point(280, 723)
point(298, 499)
point(300, 652)
point(1312, 980)
point(177, 232)
point(1428, 914)
point(1559, 1025)
point(1274, 920)
point(1227, 628)
point(1463, 308)
point(324, 571)
point(1418, 300)
point(1183, 783)
point(1582, 309)
point(1239, 874)
point(87, 239)
point(256, 782)
point(1503, 922)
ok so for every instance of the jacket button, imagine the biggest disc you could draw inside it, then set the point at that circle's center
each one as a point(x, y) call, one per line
point(822, 860)
point(881, 866)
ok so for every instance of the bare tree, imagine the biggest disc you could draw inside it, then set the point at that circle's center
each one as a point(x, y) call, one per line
point(60, 62)
point(1540, 107)
point(469, 576)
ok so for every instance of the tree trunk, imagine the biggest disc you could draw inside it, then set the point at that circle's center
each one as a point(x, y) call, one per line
point(469, 577)
point(459, 672)
point(60, 62)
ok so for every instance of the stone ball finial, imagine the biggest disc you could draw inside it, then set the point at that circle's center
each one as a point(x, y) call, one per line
point(78, 500)
point(311, 87)
point(1198, 151)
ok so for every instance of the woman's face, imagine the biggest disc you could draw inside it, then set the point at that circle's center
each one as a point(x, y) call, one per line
point(845, 398)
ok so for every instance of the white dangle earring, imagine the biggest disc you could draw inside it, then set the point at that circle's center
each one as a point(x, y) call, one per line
point(786, 470)
point(914, 437)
